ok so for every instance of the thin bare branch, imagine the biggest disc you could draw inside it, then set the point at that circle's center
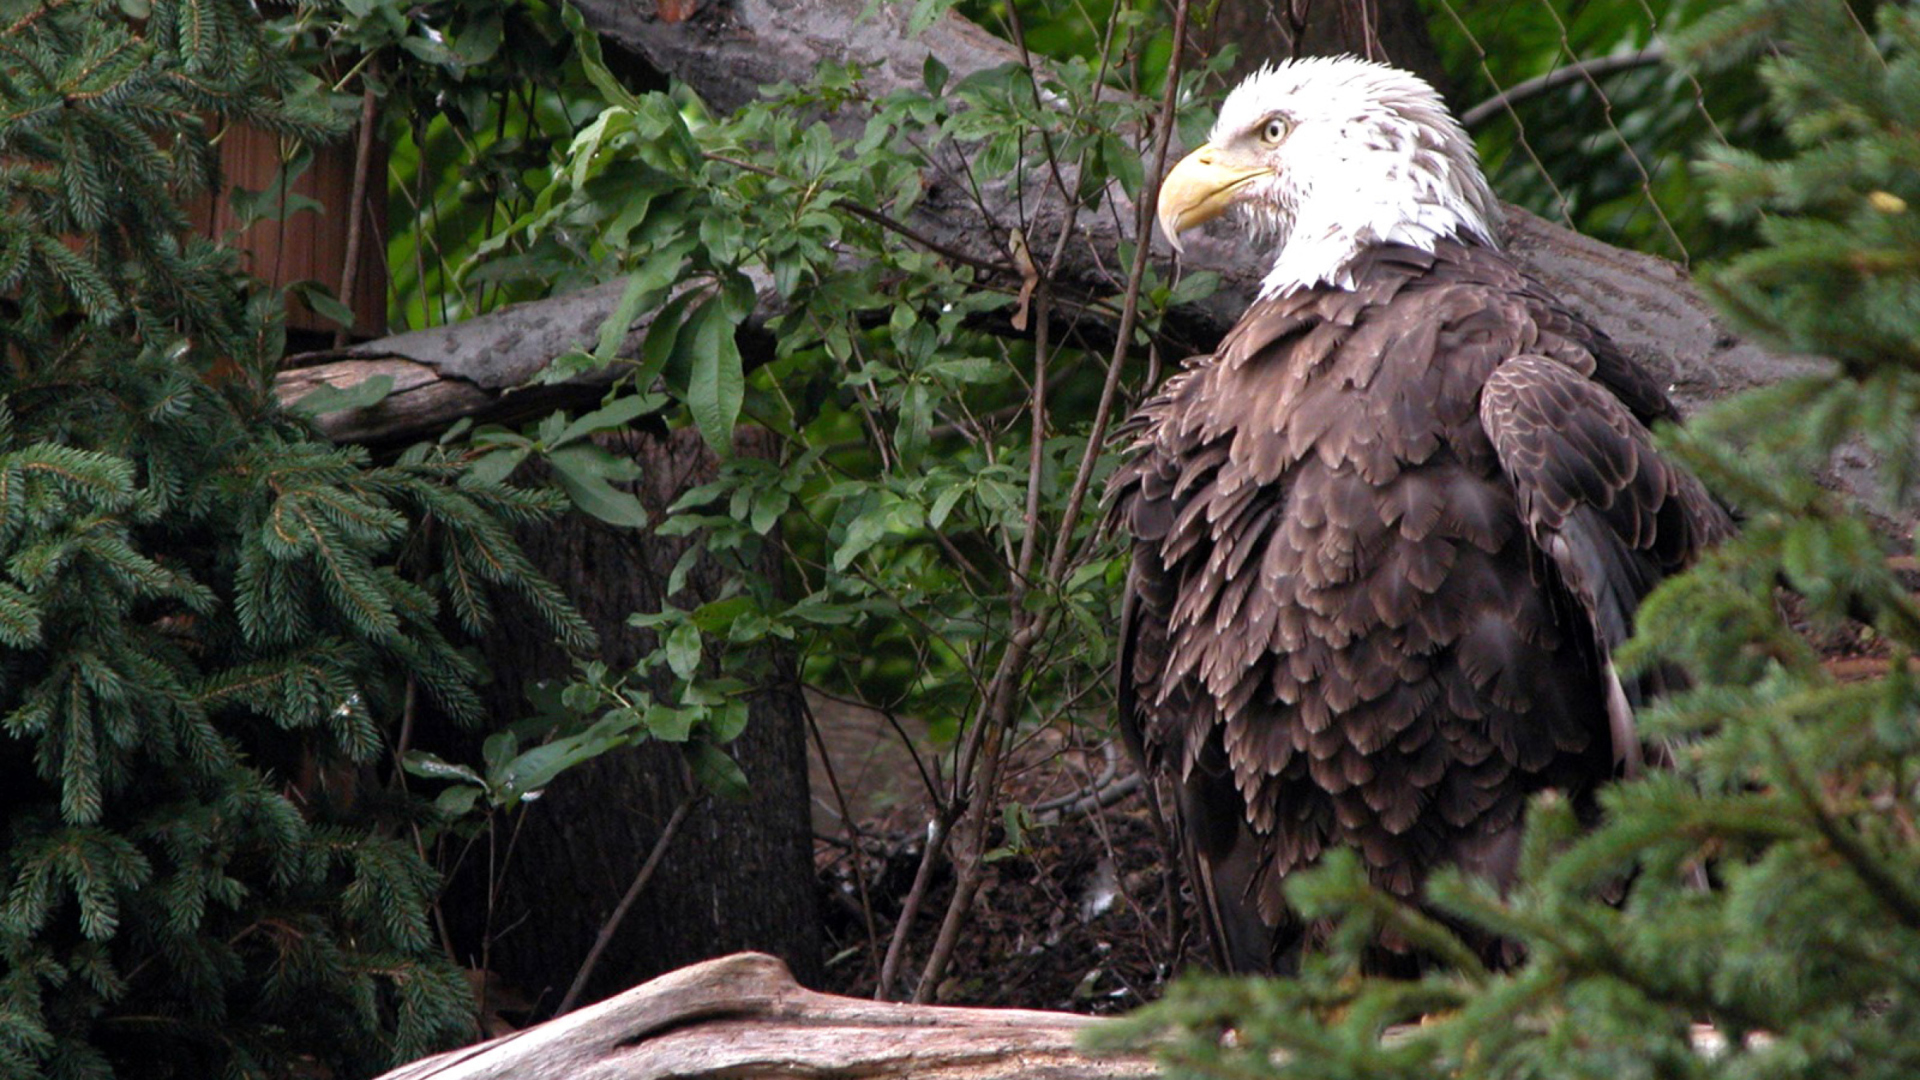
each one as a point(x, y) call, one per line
point(639, 884)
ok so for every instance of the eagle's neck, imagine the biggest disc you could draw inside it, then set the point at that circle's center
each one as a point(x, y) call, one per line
point(1331, 227)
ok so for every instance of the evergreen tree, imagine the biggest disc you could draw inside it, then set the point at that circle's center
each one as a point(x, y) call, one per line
point(208, 614)
point(1773, 876)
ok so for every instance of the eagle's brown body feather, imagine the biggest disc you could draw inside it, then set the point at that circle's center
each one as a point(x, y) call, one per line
point(1384, 540)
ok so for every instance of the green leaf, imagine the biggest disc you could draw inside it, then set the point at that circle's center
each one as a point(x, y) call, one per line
point(944, 502)
point(716, 381)
point(610, 417)
point(586, 43)
point(718, 772)
point(428, 766)
point(458, 801)
point(669, 724)
point(891, 514)
point(532, 771)
point(768, 505)
point(1124, 162)
point(613, 329)
point(1194, 286)
point(327, 306)
point(582, 472)
point(663, 339)
point(683, 650)
point(494, 468)
point(331, 399)
point(933, 75)
point(717, 615)
point(499, 746)
point(728, 720)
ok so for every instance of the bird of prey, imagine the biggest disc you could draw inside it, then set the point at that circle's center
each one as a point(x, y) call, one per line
point(1387, 535)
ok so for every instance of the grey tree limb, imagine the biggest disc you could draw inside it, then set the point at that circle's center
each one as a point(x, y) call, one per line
point(743, 1015)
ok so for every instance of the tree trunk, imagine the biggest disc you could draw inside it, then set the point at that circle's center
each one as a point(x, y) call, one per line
point(735, 875)
point(743, 1016)
point(1392, 31)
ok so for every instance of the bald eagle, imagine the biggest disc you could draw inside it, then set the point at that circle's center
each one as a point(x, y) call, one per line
point(1387, 535)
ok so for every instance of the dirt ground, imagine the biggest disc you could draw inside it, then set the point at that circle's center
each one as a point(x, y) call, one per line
point(1083, 916)
point(1075, 918)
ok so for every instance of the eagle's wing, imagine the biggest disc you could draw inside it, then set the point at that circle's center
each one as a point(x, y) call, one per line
point(1172, 726)
point(1607, 511)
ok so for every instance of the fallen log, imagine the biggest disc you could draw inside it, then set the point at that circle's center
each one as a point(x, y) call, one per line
point(744, 1016)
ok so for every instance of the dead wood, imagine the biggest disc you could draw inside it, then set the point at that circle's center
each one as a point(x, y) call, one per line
point(744, 1016)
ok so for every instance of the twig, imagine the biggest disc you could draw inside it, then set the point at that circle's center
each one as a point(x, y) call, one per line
point(1130, 308)
point(601, 940)
point(995, 715)
point(906, 740)
point(1094, 785)
point(1892, 893)
point(356, 207)
point(998, 709)
point(1088, 803)
point(853, 829)
point(1579, 70)
point(910, 907)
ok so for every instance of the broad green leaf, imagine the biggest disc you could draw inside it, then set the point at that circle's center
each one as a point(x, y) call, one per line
point(728, 720)
point(429, 766)
point(683, 650)
point(534, 770)
point(716, 383)
point(716, 615)
point(670, 724)
point(326, 305)
point(891, 514)
point(663, 338)
point(718, 772)
point(494, 468)
point(586, 42)
point(499, 746)
point(944, 502)
point(331, 399)
point(768, 505)
point(582, 472)
point(458, 801)
point(613, 330)
point(1124, 162)
point(610, 417)
point(1194, 286)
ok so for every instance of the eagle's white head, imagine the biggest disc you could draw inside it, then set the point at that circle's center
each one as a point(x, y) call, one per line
point(1326, 157)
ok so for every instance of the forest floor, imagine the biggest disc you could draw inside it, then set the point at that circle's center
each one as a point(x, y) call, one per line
point(1072, 915)
point(1079, 914)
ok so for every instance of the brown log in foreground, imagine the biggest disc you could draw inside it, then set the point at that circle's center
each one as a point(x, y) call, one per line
point(744, 1016)
point(728, 49)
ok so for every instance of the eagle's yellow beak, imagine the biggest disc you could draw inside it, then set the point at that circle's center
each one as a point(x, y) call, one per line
point(1201, 187)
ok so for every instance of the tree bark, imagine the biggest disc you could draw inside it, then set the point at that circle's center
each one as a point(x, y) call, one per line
point(1392, 31)
point(738, 875)
point(744, 1016)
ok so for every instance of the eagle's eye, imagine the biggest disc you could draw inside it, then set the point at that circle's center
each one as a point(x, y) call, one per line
point(1275, 130)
